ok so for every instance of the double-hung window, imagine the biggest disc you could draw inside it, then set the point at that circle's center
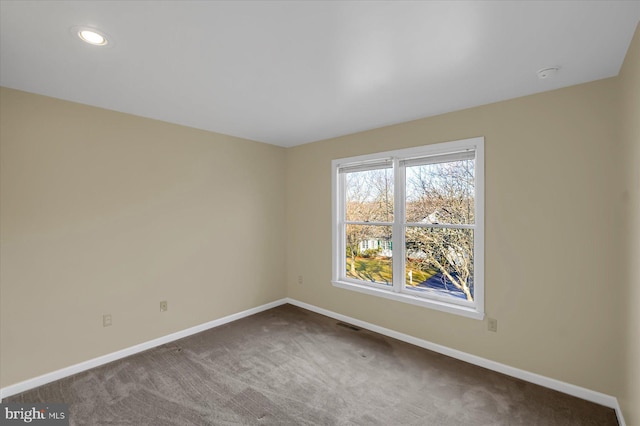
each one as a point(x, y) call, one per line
point(408, 225)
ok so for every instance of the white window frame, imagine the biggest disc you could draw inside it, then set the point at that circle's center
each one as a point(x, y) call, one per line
point(398, 291)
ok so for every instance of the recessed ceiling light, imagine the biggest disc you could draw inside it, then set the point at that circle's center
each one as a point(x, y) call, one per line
point(91, 35)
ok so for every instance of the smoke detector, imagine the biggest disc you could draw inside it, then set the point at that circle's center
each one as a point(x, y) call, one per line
point(547, 72)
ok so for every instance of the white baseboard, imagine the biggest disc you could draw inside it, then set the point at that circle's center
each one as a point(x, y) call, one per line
point(577, 391)
point(95, 362)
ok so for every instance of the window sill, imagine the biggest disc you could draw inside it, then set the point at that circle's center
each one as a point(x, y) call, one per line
point(413, 300)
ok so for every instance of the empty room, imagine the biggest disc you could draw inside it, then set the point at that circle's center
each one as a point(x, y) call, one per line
point(320, 212)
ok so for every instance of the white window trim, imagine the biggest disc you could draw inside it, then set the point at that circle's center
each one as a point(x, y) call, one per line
point(397, 292)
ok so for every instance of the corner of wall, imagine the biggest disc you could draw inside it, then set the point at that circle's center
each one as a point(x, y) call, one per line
point(629, 94)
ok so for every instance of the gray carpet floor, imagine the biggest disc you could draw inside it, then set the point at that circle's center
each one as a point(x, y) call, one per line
point(289, 366)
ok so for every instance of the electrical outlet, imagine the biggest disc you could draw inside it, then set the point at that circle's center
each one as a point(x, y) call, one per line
point(106, 320)
point(300, 279)
point(164, 306)
point(492, 324)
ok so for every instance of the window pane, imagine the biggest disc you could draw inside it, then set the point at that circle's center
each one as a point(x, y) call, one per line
point(440, 261)
point(369, 196)
point(441, 192)
point(369, 253)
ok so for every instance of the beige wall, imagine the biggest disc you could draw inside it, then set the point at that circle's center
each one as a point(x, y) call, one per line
point(629, 396)
point(103, 212)
point(553, 260)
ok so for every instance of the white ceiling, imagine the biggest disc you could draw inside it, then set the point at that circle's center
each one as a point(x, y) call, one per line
point(292, 72)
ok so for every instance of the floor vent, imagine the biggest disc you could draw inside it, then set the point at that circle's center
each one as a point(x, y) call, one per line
point(349, 326)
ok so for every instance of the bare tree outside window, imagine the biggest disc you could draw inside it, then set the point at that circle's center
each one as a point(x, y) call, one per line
point(369, 201)
point(440, 202)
